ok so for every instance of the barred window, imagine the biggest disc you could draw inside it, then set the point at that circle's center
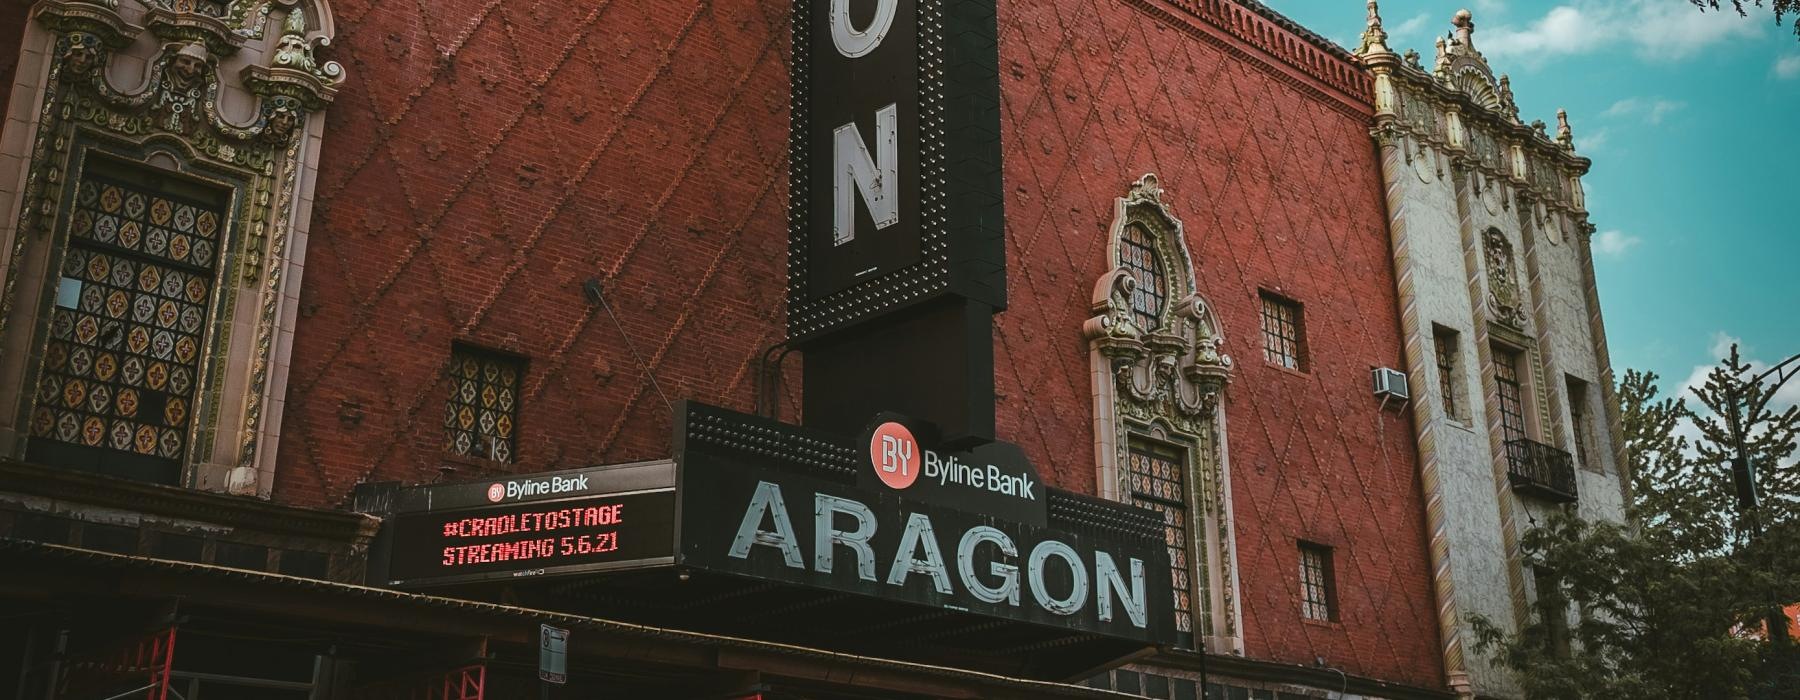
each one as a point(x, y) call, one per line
point(482, 416)
point(129, 324)
point(1579, 421)
point(1158, 480)
point(1318, 585)
point(1284, 339)
point(1512, 393)
point(1445, 342)
point(1137, 254)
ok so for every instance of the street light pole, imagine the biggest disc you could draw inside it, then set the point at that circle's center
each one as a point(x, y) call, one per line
point(1743, 470)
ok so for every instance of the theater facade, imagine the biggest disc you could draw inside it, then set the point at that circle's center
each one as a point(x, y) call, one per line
point(730, 350)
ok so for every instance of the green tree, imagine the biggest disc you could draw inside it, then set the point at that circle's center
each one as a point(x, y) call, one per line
point(1782, 8)
point(1667, 603)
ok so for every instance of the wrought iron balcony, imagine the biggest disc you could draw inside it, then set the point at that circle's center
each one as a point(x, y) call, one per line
point(1541, 470)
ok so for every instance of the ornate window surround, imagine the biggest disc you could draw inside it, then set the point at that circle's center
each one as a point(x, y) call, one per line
point(235, 99)
point(1165, 385)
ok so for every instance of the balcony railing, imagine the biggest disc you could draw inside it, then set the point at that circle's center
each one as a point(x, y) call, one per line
point(1541, 470)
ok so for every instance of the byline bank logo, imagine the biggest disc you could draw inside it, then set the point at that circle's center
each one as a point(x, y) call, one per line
point(496, 493)
point(895, 455)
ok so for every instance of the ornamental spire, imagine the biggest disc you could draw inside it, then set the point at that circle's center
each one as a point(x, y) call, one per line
point(1565, 137)
point(1374, 38)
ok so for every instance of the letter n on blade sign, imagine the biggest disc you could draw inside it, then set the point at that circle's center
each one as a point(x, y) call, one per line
point(896, 168)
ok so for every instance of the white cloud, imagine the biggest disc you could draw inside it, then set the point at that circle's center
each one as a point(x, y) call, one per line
point(1788, 67)
point(1591, 143)
point(1613, 243)
point(1653, 110)
point(1656, 29)
point(1409, 27)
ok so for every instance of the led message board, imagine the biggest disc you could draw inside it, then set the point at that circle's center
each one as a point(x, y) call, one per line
point(895, 159)
point(545, 524)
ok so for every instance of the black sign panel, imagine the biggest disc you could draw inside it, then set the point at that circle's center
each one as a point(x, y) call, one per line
point(895, 168)
point(991, 477)
point(778, 503)
point(533, 537)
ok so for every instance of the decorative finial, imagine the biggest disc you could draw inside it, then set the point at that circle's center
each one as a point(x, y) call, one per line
point(1374, 38)
point(1565, 137)
point(1505, 93)
point(1412, 59)
point(1539, 126)
point(1442, 67)
point(1465, 31)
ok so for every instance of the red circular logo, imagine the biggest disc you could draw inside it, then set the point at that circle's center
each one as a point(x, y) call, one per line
point(496, 492)
point(895, 455)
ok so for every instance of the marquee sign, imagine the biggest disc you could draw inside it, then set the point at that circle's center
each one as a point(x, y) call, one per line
point(543, 524)
point(895, 166)
point(774, 502)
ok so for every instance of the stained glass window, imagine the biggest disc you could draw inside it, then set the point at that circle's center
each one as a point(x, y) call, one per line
point(128, 326)
point(1137, 254)
point(484, 404)
point(1284, 341)
point(1158, 481)
point(1318, 594)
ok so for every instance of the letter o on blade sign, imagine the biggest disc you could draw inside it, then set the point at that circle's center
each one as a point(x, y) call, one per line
point(895, 455)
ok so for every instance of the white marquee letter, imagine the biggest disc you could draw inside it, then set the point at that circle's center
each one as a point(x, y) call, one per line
point(854, 43)
point(1077, 573)
point(857, 173)
point(826, 535)
point(1008, 591)
point(767, 500)
point(1106, 573)
point(918, 533)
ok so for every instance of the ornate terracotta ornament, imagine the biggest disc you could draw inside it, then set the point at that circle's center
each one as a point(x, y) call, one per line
point(1159, 370)
point(175, 120)
point(1503, 280)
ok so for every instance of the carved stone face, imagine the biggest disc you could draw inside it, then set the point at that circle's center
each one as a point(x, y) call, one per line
point(188, 66)
point(82, 57)
point(283, 120)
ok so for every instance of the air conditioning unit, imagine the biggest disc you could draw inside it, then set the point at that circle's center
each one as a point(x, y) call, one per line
point(1391, 383)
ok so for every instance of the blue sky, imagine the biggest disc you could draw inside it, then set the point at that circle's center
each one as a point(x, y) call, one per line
point(1693, 123)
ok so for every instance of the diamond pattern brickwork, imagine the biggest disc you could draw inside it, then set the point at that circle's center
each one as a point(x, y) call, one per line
point(1277, 183)
point(486, 158)
point(490, 155)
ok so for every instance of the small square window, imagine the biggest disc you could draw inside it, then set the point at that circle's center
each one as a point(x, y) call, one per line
point(1284, 337)
point(481, 418)
point(1318, 585)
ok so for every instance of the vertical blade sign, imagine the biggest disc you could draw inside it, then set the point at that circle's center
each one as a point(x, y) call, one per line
point(891, 98)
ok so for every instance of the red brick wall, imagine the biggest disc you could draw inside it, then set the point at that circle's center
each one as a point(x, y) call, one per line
point(1279, 189)
point(483, 161)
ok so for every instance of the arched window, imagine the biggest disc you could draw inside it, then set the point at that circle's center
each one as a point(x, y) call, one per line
point(1159, 434)
point(1137, 255)
point(155, 225)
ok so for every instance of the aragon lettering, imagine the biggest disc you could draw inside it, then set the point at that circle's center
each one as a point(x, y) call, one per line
point(987, 559)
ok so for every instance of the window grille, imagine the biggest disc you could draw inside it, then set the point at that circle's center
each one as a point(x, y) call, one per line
point(129, 323)
point(1283, 337)
point(1445, 341)
point(1512, 393)
point(1157, 475)
point(1137, 254)
point(1318, 587)
point(482, 416)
